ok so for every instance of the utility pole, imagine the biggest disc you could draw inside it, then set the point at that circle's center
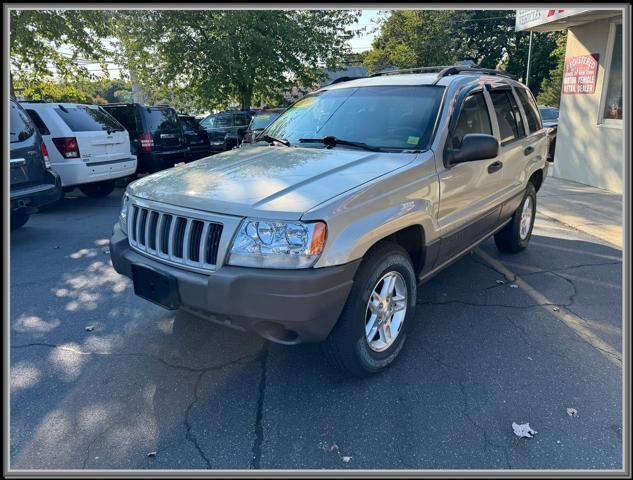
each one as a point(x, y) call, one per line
point(527, 74)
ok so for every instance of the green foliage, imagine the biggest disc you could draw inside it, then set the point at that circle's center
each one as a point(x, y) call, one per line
point(224, 57)
point(551, 87)
point(56, 92)
point(37, 38)
point(417, 38)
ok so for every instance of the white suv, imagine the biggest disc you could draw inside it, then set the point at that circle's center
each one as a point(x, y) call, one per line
point(87, 147)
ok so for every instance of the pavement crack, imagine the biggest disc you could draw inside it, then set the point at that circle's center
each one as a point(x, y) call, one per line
point(259, 428)
point(92, 442)
point(187, 421)
point(466, 405)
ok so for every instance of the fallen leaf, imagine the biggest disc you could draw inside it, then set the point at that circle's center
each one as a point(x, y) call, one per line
point(499, 282)
point(514, 285)
point(523, 430)
point(56, 247)
point(346, 459)
point(572, 412)
point(333, 447)
point(151, 454)
point(556, 309)
point(530, 358)
point(89, 328)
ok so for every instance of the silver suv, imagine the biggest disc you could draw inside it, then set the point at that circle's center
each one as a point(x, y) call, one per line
point(321, 231)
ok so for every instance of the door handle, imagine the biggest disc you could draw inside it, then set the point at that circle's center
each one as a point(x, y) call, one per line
point(528, 150)
point(495, 167)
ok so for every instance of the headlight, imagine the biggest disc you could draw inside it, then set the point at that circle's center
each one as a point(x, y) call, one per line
point(277, 244)
point(125, 201)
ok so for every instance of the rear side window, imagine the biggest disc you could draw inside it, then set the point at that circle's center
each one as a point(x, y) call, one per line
point(39, 123)
point(21, 127)
point(189, 124)
point(161, 119)
point(86, 119)
point(530, 109)
point(262, 120)
point(508, 115)
point(126, 116)
point(473, 118)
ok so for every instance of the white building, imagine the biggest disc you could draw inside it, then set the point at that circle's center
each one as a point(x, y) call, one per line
point(590, 142)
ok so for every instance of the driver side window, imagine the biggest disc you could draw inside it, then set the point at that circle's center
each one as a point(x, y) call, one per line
point(473, 118)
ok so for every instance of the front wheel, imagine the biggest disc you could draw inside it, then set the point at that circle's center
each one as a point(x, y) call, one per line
point(98, 189)
point(515, 236)
point(371, 330)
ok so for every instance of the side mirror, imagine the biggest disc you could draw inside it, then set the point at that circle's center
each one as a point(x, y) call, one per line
point(475, 146)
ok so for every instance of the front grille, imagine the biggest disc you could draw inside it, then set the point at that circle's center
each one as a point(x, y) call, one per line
point(177, 239)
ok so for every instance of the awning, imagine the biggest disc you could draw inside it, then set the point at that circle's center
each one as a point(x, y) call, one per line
point(548, 20)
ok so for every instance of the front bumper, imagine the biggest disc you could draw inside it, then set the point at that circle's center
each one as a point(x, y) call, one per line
point(37, 195)
point(284, 306)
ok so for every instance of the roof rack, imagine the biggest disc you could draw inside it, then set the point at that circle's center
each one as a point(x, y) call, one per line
point(457, 69)
point(410, 70)
point(343, 79)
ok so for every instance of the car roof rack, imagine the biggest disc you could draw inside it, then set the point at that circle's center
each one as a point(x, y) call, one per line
point(410, 70)
point(343, 79)
point(457, 69)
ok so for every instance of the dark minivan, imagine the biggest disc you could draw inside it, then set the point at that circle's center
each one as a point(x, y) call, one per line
point(157, 136)
point(33, 183)
point(196, 138)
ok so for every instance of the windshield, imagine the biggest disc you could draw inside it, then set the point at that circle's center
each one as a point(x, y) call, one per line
point(387, 117)
point(262, 120)
point(208, 122)
point(21, 128)
point(161, 119)
point(549, 113)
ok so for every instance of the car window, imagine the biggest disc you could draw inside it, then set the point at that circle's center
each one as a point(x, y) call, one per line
point(126, 116)
point(508, 116)
point(241, 119)
point(21, 127)
point(39, 123)
point(549, 113)
point(389, 117)
point(82, 118)
point(208, 122)
point(189, 124)
point(473, 118)
point(161, 119)
point(262, 120)
point(530, 109)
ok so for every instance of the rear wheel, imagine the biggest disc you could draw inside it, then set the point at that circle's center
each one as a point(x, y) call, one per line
point(97, 189)
point(515, 236)
point(371, 330)
point(18, 219)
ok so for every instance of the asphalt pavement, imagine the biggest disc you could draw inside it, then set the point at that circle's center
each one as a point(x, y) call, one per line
point(103, 379)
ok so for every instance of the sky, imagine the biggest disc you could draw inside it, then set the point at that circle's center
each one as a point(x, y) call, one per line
point(363, 41)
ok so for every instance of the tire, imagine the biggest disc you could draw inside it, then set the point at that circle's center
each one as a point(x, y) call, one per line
point(18, 219)
point(97, 189)
point(347, 348)
point(512, 238)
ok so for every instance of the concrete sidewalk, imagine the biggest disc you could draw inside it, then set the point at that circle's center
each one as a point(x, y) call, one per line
point(591, 210)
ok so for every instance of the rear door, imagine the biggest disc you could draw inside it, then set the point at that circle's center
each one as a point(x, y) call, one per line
point(100, 137)
point(165, 127)
point(26, 159)
point(516, 150)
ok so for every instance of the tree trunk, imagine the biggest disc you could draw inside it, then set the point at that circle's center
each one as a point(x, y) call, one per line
point(12, 90)
point(246, 96)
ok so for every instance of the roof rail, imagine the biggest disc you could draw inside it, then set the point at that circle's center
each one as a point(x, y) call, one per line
point(343, 79)
point(457, 69)
point(410, 70)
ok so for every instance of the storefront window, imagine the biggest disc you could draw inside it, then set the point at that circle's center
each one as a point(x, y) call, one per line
point(613, 101)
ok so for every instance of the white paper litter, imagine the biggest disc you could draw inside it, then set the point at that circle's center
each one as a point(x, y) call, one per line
point(514, 285)
point(572, 412)
point(523, 430)
point(151, 454)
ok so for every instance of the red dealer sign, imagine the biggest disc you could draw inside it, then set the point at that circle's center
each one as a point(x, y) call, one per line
point(580, 74)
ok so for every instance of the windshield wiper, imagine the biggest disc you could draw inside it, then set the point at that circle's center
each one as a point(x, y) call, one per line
point(333, 141)
point(271, 140)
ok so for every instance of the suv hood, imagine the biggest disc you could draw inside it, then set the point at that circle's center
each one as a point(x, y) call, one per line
point(268, 181)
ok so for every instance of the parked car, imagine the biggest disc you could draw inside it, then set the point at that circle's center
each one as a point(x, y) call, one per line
point(87, 147)
point(259, 122)
point(550, 122)
point(226, 129)
point(33, 183)
point(365, 189)
point(157, 136)
point(196, 138)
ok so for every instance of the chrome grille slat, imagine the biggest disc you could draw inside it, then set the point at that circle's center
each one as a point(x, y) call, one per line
point(177, 239)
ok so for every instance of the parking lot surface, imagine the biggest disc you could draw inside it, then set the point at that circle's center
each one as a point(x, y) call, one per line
point(103, 379)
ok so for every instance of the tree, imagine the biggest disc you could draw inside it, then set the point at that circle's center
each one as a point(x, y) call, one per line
point(229, 56)
point(551, 87)
point(37, 38)
point(412, 38)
